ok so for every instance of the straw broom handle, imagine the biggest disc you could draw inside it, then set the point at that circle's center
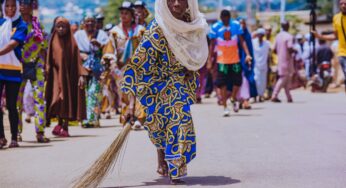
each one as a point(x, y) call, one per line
point(98, 171)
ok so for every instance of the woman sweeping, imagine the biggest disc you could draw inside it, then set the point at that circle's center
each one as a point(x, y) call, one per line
point(13, 31)
point(65, 94)
point(162, 75)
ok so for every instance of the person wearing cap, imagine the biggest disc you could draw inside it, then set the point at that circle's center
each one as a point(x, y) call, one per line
point(108, 28)
point(261, 52)
point(99, 21)
point(284, 48)
point(124, 39)
point(225, 35)
point(33, 61)
point(301, 60)
point(91, 42)
point(304, 53)
point(339, 25)
point(163, 76)
point(141, 13)
point(13, 32)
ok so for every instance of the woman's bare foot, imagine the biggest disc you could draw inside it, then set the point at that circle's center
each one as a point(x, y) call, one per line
point(162, 168)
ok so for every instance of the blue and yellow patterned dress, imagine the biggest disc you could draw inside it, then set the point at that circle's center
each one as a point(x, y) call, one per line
point(158, 81)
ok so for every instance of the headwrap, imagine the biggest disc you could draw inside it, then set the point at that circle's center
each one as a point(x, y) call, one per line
point(187, 40)
point(15, 17)
point(5, 36)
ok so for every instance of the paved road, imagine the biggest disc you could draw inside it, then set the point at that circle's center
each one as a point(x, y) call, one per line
point(300, 145)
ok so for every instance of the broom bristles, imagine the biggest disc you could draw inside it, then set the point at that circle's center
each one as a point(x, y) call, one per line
point(97, 172)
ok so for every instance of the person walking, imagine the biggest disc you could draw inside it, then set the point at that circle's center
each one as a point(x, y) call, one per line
point(224, 37)
point(261, 51)
point(285, 50)
point(339, 25)
point(90, 42)
point(248, 89)
point(124, 39)
point(33, 61)
point(13, 32)
point(64, 93)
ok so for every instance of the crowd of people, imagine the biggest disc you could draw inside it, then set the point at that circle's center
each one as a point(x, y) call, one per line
point(80, 71)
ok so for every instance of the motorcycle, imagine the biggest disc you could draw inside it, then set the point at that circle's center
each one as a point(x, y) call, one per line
point(323, 77)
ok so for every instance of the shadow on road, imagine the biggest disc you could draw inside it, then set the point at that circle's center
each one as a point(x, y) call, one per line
point(211, 181)
point(52, 140)
point(190, 181)
point(245, 115)
point(257, 108)
point(110, 126)
point(83, 136)
point(28, 147)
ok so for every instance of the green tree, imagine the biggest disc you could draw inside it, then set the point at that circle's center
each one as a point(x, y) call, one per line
point(326, 7)
point(294, 20)
point(111, 11)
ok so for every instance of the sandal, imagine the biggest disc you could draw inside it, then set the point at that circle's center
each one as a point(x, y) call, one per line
point(14, 144)
point(57, 129)
point(64, 134)
point(41, 138)
point(3, 142)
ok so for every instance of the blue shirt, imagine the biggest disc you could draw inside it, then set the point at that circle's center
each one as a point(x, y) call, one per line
point(218, 30)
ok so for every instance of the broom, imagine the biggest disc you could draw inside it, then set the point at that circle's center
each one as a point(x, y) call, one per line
point(96, 173)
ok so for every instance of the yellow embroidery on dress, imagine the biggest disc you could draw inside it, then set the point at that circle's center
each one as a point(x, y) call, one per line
point(13, 31)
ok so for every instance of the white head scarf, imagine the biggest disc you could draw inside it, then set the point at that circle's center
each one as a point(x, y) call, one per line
point(187, 40)
point(16, 16)
point(5, 36)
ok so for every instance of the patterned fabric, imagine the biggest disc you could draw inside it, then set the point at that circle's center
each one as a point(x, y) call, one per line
point(157, 79)
point(93, 102)
point(120, 49)
point(93, 63)
point(32, 48)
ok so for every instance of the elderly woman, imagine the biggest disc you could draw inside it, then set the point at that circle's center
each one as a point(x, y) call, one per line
point(13, 31)
point(162, 75)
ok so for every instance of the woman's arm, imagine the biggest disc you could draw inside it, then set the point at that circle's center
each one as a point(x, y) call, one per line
point(9, 47)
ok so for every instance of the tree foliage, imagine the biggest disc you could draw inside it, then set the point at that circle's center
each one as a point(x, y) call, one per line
point(294, 20)
point(111, 11)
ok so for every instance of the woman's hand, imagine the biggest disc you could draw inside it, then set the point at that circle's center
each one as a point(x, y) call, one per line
point(84, 56)
point(95, 43)
point(189, 75)
point(248, 59)
point(81, 82)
